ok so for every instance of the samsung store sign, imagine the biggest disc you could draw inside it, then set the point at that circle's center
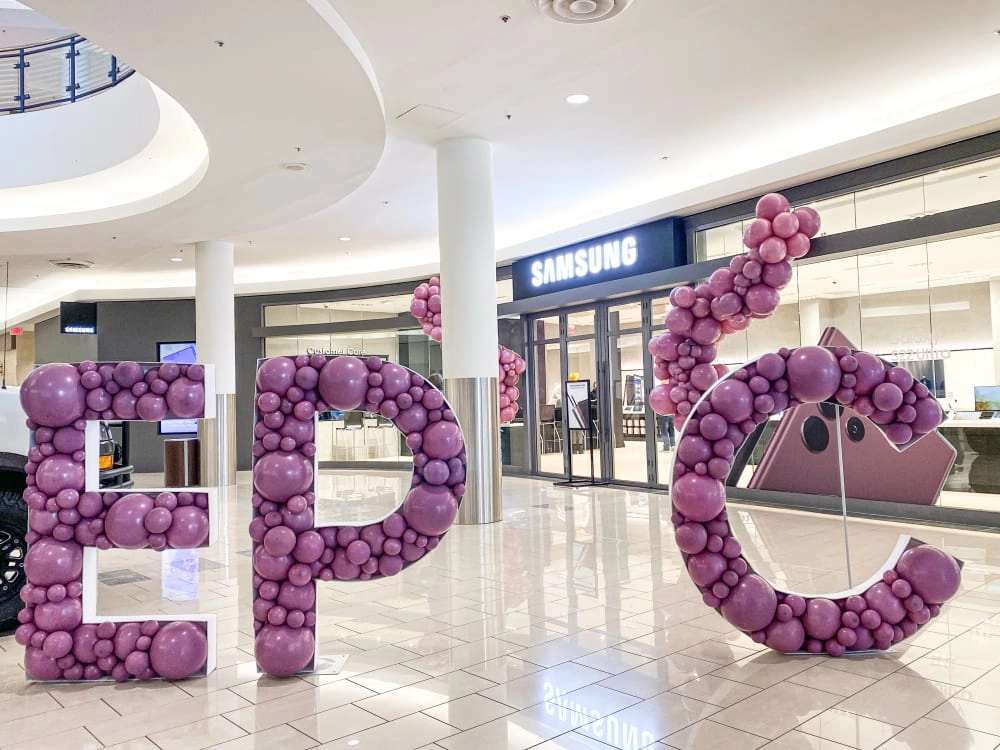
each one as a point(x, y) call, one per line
point(651, 247)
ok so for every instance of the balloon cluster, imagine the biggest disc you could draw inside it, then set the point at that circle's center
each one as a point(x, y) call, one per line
point(889, 610)
point(63, 519)
point(699, 317)
point(426, 308)
point(289, 552)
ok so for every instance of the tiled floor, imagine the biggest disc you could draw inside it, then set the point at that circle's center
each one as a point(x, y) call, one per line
point(569, 625)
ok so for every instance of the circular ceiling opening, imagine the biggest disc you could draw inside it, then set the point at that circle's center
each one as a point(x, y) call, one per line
point(581, 11)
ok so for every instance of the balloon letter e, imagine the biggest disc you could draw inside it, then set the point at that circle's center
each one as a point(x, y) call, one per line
point(70, 518)
point(290, 553)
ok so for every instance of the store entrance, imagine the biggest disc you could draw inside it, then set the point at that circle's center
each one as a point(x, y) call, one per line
point(599, 351)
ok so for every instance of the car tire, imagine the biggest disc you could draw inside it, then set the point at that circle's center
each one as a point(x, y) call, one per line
point(13, 527)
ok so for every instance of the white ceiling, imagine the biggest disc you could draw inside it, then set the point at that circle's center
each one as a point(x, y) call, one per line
point(737, 99)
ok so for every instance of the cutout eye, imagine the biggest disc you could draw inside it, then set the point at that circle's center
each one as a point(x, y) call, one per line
point(815, 434)
point(855, 429)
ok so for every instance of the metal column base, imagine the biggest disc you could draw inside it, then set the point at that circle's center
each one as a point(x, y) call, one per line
point(218, 444)
point(474, 401)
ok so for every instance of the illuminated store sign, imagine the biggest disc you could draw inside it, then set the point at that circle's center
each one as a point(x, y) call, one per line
point(644, 249)
point(612, 729)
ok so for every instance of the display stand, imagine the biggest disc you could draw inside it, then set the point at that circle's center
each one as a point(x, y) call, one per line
point(577, 413)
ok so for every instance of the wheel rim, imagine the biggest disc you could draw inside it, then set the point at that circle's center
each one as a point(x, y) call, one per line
point(12, 551)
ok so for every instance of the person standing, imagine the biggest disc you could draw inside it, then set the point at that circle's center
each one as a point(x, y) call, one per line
point(665, 426)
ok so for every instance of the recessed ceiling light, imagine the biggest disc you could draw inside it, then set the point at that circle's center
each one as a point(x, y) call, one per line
point(177, 259)
point(664, 158)
point(71, 264)
point(344, 239)
point(294, 166)
point(577, 98)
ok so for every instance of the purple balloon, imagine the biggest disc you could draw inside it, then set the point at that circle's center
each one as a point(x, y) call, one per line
point(124, 405)
point(49, 561)
point(870, 373)
point(443, 440)
point(787, 636)
point(822, 618)
point(691, 537)
point(280, 475)
point(39, 666)
point(395, 379)
point(430, 509)
point(69, 439)
point(59, 472)
point(275, 374)
point(189, 528)
point(309, 547)
point(179, 650)
point(706, 568)
point(813, 374)
point(65, 615)
point(282, 651)
point(151, 408)
point(881, 599)
point(751, 604)
point(699, 497)
point(436, 471)
point(186, 398)
point(125, 524)
point(933, 574)
point(343, 383)
point(293, 597)
point(127, 374)
point(733, 400)
point(279, 541)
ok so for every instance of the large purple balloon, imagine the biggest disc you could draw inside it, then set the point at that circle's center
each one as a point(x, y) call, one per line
point(813, 374)
point(443, 440)
point(699, 497)
point(276, 374)
point(52, 395)
point(395, 379)
point(179, 650)
point(343, 383)
point(186, 398)
point(49, 562)
point(282, 651)
point(189, 528)
point(430, 509)
point(59, 472)
point(733, 400)
point(751, 603)
point(821, 619)
point(934, 574)
point(280, 475)
point(125, 524)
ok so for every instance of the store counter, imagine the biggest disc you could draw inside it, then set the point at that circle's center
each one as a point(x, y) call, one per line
point(977, 445)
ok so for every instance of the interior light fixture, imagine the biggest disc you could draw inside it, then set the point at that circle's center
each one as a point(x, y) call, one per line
point(344, 239)
point(294, 166)
point(577, 99)
point(177, 259)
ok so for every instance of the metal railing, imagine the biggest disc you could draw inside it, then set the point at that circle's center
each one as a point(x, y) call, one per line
point(57, 72)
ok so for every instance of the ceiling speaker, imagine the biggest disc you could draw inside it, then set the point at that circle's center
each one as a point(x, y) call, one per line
point(581, 11)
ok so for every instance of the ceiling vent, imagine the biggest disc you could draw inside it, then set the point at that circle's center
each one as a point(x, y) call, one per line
point(71, 264)
point(581, 11)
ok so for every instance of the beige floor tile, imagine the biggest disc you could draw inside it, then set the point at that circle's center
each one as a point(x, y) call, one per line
point(197, 734)
point(717, 652)
point(821, 677)
point(572, 741)
point(658, 676)
point(935, 667)
point(281, 737)
point(899, 699)
point(402, 734)
point(268, 688)
point(77, 738)
point(29, 700)
point(976, 716)
point(335, 723)
point(389, 678)
point(503, 669)
point(58, 720)
point(927, 734)
point(796, 740)
point(541, 686)
point(715, 690)
point(567, 648)
point(709, 735)
point(984, 690)
point(777, 709)
point(591, 700)
point(612, 660)
point(397, 703)
point(849, 729)
point(643, 723)
point(143, 743)
point(664, 642)
point(517, 731)
point(468, 712)
point(767, 668)
point(287, 709)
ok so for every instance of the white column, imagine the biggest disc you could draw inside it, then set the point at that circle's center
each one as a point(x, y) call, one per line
point(810, 328)
point(469, 314)
point(215, 336)
point(995, 326)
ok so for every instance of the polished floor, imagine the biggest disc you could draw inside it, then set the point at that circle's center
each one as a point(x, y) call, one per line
point(569, 625)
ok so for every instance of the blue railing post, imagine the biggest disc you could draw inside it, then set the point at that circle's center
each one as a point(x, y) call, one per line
point(72, 69)
point(22, 96)
point(114, 70)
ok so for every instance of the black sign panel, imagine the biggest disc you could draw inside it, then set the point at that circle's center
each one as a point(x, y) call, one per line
point(78, 317)
point(651, 247)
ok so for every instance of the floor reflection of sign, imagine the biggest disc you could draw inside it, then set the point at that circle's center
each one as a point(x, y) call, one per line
point(609, 729)
point(578, 404)
point(179, 570)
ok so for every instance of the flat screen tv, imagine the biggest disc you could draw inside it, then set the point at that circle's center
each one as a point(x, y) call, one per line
point(987, 397)
point(182, 353)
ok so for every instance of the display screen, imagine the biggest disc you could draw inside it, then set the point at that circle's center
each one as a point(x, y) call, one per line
point(78, 317)
point(987, 397)
point(181, 353)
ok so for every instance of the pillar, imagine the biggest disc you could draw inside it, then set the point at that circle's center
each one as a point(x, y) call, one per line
point(994, 330)
point(469, 314)
point(215, 336)
point(810, 327)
